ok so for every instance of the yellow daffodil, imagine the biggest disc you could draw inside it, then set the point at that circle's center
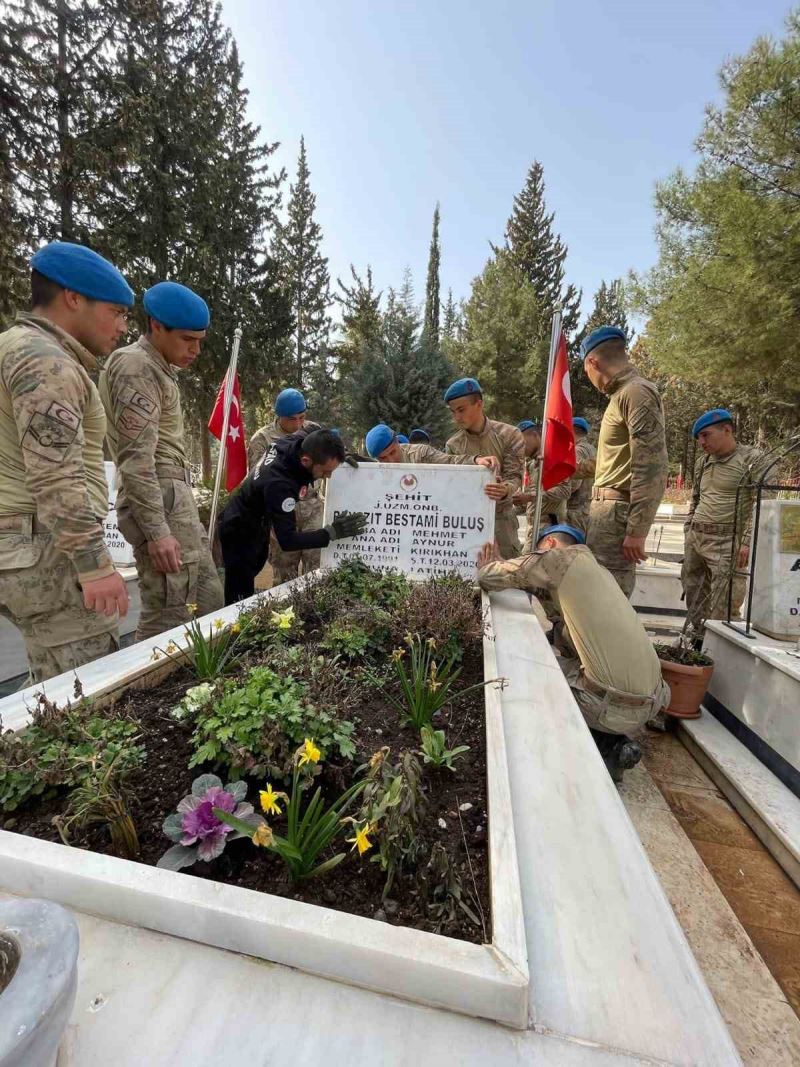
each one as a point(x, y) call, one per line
point(218, 624)
point(309, 753)
point(269, 800)
point(263, 836)
point(283, 620)
point(361, 841)
point(192, 609)
point(431, 642)
point(236, 628)
point(156, 654)
point(172, 647)
point(409, 639)
point(398, 654)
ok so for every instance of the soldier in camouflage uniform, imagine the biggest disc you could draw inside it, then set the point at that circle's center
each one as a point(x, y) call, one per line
point(290, 416)
point(631, 470)
point(384, 445)
point(708, 561)
point(156, 510)
point(479, 436)
point(58, 584)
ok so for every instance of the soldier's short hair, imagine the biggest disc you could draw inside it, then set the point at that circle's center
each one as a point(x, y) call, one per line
point(322, 445)
point(43, 290)
point(612, 351)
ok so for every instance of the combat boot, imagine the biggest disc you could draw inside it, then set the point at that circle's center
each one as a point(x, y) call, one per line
point(621, 757)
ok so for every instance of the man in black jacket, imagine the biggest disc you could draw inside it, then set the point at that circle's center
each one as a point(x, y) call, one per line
point(267, 500)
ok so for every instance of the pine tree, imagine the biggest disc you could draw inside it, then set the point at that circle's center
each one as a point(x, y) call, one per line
point(430, 326)
point(401, 320)
point(401, 385)
point(361, 311)
point(609, 309)
point(538, 251)
point(304, 271)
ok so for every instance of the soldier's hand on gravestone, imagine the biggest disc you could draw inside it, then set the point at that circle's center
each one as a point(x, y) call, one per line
point(107, 596)
point(347, 524)
point(351, 460)
point(165, 554)
point(496, 491)
point(492, 463)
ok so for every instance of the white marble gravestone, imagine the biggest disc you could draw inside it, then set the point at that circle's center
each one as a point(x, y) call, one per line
point(776, 583)
point(121, 551)
point(425, 519)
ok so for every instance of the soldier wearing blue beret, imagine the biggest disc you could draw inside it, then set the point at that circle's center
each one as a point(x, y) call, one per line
point(709, 560)
point(290, 416)
point(631, 470)
point(58, 583)
point(604, 650)
point(385, 446)
point(156, 509)
point(479, 436)
point(419, 436)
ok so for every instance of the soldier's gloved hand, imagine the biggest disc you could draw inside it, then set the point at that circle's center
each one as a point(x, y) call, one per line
point(348, 524)
point(351, 460)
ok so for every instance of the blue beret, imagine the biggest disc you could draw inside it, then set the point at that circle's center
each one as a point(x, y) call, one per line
point(401, 437)
point(562, 527)
point(289, 402)
point(528, 424)
point(463, 387)
point(419, 435)
point(599, 337)
point(379, 438)
point(80, 269)
point(581, 424)
point(176, 307)
point(710, 418)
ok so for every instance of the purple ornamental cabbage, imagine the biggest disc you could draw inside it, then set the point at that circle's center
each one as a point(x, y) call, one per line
point(199, 834)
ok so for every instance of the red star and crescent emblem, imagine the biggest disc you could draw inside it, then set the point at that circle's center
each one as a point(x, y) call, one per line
point(408, 483)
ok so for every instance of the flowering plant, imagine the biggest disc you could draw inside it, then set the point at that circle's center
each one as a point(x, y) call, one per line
point(199, 696)
point(207, 656)
point(196, 827)
point(308, 831)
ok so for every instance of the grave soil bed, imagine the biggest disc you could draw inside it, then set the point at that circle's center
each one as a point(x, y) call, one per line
point(455, 808)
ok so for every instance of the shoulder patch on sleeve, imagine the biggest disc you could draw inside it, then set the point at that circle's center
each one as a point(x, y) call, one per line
point(48, 437)
point(289, 504)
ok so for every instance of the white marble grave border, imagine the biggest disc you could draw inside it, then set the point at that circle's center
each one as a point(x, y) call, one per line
point(488, 981)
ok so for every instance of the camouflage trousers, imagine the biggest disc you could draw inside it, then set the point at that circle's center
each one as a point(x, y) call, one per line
point(165, 596)
point(506, 532)
point(612, 711)
point(286, 565)
point(579, 516)
point(705, 574)
point(608, 521)
point(40, 593)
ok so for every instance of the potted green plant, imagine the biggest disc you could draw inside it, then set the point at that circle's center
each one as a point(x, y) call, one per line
point(687, 673)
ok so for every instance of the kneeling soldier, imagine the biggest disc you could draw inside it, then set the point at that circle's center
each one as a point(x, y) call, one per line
point(616, 677)
point(156, 509)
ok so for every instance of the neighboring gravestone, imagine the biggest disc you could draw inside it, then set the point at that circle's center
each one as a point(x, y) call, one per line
point(425, 519)
point(121, 551)
point(776, 582)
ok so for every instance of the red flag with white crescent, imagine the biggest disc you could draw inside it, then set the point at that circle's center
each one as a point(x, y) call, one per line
point(236, 453)
point(559, 461)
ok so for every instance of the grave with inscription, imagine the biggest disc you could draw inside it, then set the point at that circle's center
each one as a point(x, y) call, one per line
point(121, 551)
point(425, 519)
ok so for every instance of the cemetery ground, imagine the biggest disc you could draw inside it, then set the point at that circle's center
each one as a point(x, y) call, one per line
point(307, 695)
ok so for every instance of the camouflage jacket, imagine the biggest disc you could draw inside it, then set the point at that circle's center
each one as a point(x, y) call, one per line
point(632, 449)
point(716, 481)
point(576, 490)
point(145, 430)
point(496, 439)
point(422, 452)
point(52, 426)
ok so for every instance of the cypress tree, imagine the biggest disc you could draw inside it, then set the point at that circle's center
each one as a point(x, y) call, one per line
point(304, 271)
point(430, 327)
point(451, 318)
point(609, 309)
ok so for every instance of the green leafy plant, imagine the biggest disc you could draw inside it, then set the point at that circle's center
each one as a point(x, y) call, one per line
point(101, 798)
point(311, 827)
point(346, 638)
point(207, 656)
point(681, 654)
point(435, 751)
point(51, 752)
point(392, 806)
point(254, 728)
point(427, 683)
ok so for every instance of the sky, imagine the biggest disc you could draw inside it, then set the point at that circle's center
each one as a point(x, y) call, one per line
point(406, 104)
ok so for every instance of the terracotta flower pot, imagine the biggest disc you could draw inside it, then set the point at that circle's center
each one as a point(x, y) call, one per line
point(688, 686)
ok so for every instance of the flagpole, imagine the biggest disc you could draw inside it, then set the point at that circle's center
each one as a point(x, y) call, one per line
point(555, 333)
point(226, 416)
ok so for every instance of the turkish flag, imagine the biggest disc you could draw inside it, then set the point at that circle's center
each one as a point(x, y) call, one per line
point(558, 462)
point(235, 451)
